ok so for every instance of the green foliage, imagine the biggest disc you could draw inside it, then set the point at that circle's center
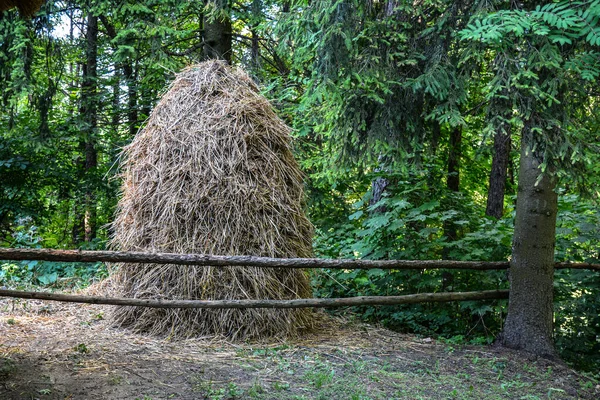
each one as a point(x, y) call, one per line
point(562, 22)
point(369, 77)
point(44, 273)
point(577, 292)
point(552, 47)
point(408, 224)
point(47, 273)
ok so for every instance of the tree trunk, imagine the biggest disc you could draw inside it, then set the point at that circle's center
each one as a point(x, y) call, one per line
point(116, 114)
point(217, 38)
point(378, 186)
point(453, 177)
point(255, 19)
point(453, 185)
point(132, 113)
point(529, 321)
point(496, 189)
point(454, 153)
point(89, 116)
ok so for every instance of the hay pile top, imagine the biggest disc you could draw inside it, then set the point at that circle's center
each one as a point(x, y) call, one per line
point(212, 172)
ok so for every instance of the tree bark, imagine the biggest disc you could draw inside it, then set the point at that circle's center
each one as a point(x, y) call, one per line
point(498, 174)
point(217, 38)
point(499, 114)
point(453, 185)
point(379, 186)
point(255, 48)
point(89, 115)
point(529, 322)
point(132, 112)
point(454, 154)
point(295, 303)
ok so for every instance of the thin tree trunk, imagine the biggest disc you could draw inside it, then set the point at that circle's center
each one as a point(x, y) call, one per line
point(132, 112)
point(499, 113)
point(78, 222)
point(116, 109)
point(379, 186)
point(529, 321)
point(498, 174)
point(453, 185)
point(255, 49)
point(89, 115)
point(454, 154)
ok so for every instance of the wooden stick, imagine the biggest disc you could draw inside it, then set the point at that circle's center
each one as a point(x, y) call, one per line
point(242, 261)
point(581, 265)
point(296, 303)
point(252, 261)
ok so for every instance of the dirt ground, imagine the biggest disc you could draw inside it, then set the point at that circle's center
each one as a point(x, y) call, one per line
point(68, 351)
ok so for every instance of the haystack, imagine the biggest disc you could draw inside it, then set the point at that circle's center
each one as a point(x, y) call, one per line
point(212, 172)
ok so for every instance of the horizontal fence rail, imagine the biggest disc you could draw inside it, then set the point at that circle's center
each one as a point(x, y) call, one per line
point(295, 303)
point(252, 261)
point(264, 262)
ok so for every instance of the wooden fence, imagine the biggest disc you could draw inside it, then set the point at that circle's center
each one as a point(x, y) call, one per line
point(263, 262)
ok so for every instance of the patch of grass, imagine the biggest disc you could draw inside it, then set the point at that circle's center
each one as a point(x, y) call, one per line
point(82, 348)
point(7, 367)
point(217, 391)
point(256, 391)
point(301, 373)
point(319, 376)
point(280, 386)
point(115, 379)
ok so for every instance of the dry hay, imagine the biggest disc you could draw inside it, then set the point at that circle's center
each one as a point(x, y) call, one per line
point(27, 8)
point(212, 172)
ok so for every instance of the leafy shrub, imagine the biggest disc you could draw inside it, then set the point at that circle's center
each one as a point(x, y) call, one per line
point(411, 222)
point(45, 273)
point(577, 292)
point(408, 224)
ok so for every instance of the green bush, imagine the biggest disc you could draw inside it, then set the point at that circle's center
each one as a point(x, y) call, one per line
point(45, 273)
point(407, 224)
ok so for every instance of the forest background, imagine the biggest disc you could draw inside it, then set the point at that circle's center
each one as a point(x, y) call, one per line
point(407, 119)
